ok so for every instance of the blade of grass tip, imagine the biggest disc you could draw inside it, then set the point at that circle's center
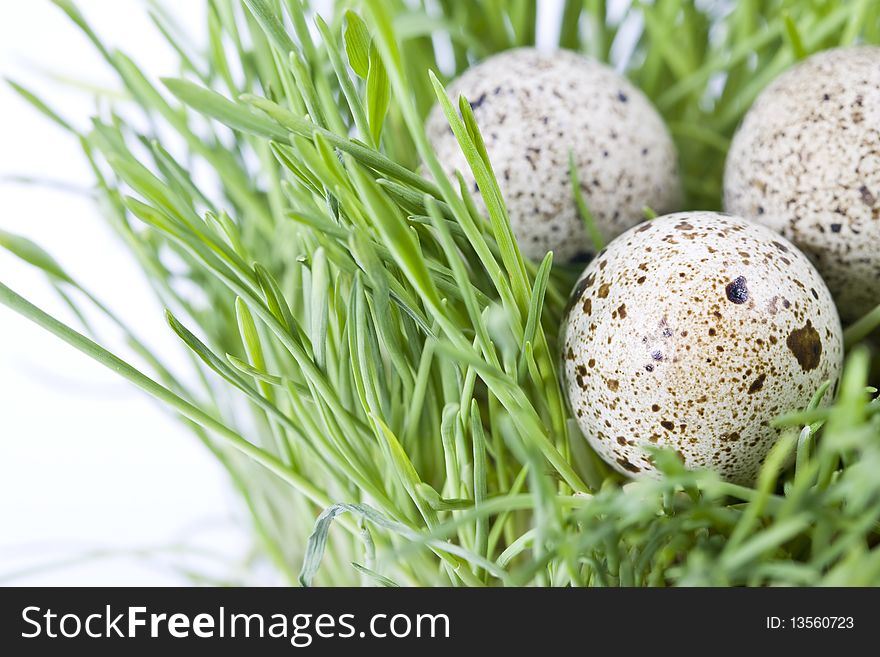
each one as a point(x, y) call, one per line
point(447, 428)
point(190, 232)
point(536, 305)
point(403, 467)
point(800, 418)
point(355, 104)
point(470, 140)
point(353, 330)
point(305, 84)
point(226, 227)
point(154, 190)
point(381, 580)
point(586, 216)
point(218, 107)
point(41, 106)
point(357, 44)
point(523, 542)
point(260, 375)
point(510, 255)
point(487, 250)
point(369, 546)
point(277, 304)
point(804, 439)
point(34, 255)
point(291, 159)
point(330, 159)
point(250, 338)
point(219, 366)
point(416, 407)
point(99, 93)
point(413, 201)
point(802, 455)
point(850, 411)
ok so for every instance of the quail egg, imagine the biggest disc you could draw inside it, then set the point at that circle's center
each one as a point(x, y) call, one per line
point(534, 107)
point(806, 163)
point(692, 332)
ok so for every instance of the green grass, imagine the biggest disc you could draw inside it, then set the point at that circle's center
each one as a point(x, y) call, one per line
point(395, 352)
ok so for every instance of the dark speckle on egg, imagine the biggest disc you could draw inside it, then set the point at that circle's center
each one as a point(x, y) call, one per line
point(736, 290)
point(757, 384)
point(703, 353)
point(806, 345)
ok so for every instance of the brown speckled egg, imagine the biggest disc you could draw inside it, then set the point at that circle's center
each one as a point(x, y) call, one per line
point(806, 163)
point(533, 107)
point(692, 332)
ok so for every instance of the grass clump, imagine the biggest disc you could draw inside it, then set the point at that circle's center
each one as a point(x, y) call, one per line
point(395, 354)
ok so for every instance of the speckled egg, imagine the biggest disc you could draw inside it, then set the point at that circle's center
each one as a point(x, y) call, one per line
point(533, 107)
point(692, 332)
point(806, 163)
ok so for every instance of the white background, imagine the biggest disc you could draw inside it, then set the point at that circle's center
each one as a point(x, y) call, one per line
point(87, 462)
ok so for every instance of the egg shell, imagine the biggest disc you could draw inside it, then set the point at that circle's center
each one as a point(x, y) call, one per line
point(806, 163)
point(532, 107)
point(692, 332)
